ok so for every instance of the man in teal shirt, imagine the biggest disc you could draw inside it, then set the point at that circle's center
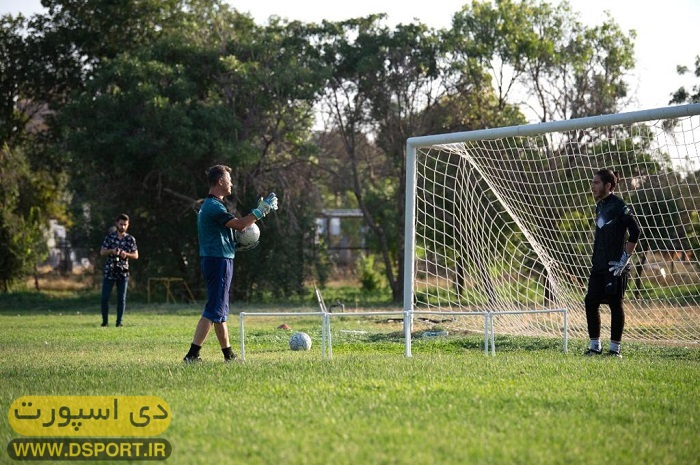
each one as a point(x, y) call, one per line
point(217, 249)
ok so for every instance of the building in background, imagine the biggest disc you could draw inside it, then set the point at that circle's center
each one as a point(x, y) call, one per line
point(62, 258)
point(343, 231)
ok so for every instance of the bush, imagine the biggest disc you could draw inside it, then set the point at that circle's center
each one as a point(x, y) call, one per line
point(370, 278)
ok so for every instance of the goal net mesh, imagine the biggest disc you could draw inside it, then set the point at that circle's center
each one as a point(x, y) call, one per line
point(506, 224)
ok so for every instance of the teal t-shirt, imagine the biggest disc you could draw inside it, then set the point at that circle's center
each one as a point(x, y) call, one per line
point(215, 239)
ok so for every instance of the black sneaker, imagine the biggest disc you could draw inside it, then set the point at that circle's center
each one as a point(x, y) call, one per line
point(104, 323)
point(614, 353)
point(119, 325)
point(234, 358)
point(189, 359)
point(229, 354)
point(591, 352)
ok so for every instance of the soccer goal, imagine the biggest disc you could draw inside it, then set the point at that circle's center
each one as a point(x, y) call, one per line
point(501, 221)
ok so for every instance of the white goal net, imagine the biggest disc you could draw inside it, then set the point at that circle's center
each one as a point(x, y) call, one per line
point(501, 220)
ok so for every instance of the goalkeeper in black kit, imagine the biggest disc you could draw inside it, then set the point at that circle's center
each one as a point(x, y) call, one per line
point(610, 263)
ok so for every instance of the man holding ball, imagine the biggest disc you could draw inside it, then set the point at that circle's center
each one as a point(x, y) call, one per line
point(217, 249)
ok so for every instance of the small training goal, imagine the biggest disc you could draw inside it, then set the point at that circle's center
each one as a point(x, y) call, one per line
point(501, 221)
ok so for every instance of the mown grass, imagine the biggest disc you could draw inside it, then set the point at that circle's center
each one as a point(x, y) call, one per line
point(448, 404)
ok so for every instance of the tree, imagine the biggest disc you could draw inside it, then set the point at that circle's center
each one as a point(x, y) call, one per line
point(44, 59)
point(378, 76)
point(235, 94)
point(22, 242)
point(388, 85)
point(682, 95)
point(30, 191)
point(13, 80)
point(541, 56)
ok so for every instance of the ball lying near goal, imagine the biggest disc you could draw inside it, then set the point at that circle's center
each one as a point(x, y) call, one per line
point(300, 341)
point(248, 236)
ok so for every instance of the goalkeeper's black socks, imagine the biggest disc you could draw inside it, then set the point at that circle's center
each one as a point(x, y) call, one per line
point(228, 354)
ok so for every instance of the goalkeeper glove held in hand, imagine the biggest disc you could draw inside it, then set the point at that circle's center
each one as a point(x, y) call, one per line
point(265, 206)
point(621, 266)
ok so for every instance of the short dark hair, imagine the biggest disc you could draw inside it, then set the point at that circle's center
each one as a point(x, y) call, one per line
point(215, 173)
point(609, 176)
point(123, 216)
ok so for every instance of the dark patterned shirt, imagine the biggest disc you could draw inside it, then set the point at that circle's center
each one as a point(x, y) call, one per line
point(115, 267)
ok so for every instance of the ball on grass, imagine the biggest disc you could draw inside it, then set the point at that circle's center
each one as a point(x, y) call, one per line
point(300, 341)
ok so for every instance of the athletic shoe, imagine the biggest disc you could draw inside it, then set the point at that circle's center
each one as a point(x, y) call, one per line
point(591, 352)
point(232, 359)
point(104, 324)
point(189, 359)
point(613, 353)
point(119, 325)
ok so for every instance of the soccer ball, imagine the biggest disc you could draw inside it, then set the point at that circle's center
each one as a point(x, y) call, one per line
point(248, 236)
point(300, 341)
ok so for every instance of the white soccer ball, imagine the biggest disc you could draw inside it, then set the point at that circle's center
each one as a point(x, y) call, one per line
point(248, 236)
point(300, 341)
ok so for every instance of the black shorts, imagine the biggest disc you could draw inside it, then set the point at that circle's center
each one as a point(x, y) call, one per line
point(605, 287)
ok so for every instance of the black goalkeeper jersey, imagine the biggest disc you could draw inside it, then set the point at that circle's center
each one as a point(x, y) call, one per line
point(613, 220)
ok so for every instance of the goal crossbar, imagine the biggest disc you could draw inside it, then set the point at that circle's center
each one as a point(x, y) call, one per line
point(555, 126)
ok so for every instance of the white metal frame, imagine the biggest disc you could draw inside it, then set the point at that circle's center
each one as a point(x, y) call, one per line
point(327, 340)
point(414, 143)
point(565, 326)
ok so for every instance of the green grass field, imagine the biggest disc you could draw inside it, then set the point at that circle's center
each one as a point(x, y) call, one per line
point(448, 404)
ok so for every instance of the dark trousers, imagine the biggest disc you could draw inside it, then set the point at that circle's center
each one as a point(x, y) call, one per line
point(604, 288)
point(107, 285)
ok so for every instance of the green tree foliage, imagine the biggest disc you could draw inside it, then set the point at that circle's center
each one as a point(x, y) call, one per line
point(388, 85)
point(44, 60)
point(150, 121)
point(30, 190)
point(22, 242)
point(72, 38)
point(411, 81)
point(682, 95)
point(542, 57)
point(13, 80)
point(135, 99)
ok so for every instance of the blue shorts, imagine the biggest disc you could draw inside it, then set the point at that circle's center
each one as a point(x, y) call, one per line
point(217, 274)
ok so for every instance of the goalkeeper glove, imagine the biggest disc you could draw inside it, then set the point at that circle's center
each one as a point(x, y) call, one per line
point(621, 266)
point(265, 206)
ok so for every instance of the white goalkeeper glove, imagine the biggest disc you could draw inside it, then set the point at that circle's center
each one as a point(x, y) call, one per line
point(265, 205)
point(621, 266)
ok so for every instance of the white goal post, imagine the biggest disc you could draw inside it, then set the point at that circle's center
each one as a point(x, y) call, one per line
point(501, 221)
